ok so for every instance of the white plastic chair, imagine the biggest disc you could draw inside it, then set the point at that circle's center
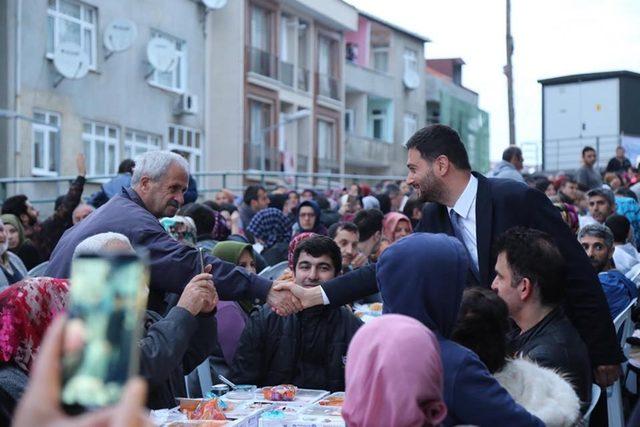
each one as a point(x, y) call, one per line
point(624, 329)
point(595, 396)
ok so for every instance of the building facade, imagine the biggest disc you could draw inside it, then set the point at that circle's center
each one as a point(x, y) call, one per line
point(385, 95)
point(452, 104)
point(120, 108)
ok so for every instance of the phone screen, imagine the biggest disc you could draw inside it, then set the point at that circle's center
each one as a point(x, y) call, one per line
point(107, 300)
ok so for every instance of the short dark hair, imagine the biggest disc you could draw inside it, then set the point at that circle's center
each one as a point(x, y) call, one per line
point(627, 192)
point(511, 152)
point(228, 207)
point(532, 254)
point(317, 246)
point(368, 221)
point(126, 166)
point(212, 205)
point(15, 205)
point(440, 140)
point(392, 189)
point(569, 179)
point(482, 326)
point(411, 204)
point(323, 202)
point(342, 225)
point(541, 183)
point(385, 203)
point(251, 193)
point(586, 149)
point(203, 216)
point(619, 226)
point(604, 193)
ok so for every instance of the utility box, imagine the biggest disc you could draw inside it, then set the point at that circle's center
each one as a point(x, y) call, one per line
point(601, 110)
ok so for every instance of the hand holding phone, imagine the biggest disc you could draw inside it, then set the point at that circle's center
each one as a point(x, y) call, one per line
point(199, 296)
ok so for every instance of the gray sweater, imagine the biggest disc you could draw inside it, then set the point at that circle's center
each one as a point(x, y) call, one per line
point(16, 265)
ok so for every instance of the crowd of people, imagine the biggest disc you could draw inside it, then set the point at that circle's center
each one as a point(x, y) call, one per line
point(498, 292)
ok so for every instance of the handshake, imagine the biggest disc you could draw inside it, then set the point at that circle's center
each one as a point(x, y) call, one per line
point(285, 297)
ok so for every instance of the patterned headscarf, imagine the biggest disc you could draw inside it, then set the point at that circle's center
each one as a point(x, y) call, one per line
point(27, 308)
point(270, 226)
point(181, 228)
point(220, 230)
point(294, 244)
point(569, 215)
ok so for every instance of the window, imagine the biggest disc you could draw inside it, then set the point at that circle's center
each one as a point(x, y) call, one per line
point(188, 143)
point(326, 140)
point(303, 56)
point(327, 83)
point(349, 121)
point(45, 143)
point(410, 61)
point(72, 22)
point(378, 121)
point(410, 125)
point(175, 80)
point(381, 58)
point(259, 147)
point(261, 61)
point(136, 143)
point(100, 148)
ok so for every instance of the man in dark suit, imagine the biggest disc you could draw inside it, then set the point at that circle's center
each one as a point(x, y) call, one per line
point(477, 210)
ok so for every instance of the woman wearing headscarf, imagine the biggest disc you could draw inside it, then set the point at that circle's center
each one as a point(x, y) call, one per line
point(395, 226)
point(394, 375)
point(27, 309)
point(232, 315)
point(181, 228)
point(431, 291)
point(309, 215)
point(12, 269)
point(18, 244)
point(269, 227)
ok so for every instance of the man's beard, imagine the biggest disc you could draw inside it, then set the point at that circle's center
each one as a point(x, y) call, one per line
point(599, 266)
point(429, 190)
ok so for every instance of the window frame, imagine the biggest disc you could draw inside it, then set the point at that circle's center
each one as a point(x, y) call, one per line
point(132, 143)
point(153, 79)
point(410, 58)
point(409, 115)
point(195, 164)
point(46, 128)
point(92, 138)
point(57, 15)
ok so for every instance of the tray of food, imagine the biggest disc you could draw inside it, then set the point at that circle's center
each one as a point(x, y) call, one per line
point(323, 411)
point(367, 312)
point(289, 395)
point(335, 399)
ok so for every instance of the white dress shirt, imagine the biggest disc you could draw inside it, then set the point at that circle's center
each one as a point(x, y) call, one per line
point(465, 206)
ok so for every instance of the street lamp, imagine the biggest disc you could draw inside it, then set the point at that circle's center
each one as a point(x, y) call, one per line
point(285, 119)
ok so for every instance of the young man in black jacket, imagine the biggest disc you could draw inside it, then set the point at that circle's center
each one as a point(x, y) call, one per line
point(307, 349)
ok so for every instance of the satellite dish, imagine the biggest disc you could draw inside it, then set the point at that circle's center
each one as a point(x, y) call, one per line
point(411, 79)
point(71, 61)
point(215, 4)
point(120, 35)
point(162, 54)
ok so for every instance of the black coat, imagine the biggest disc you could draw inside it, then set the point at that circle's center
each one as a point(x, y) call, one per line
point(307, 349)
point(554, 343)
point(172, 347)
point(500, 205)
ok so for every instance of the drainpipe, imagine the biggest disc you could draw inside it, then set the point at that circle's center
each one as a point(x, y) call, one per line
point(13, 169)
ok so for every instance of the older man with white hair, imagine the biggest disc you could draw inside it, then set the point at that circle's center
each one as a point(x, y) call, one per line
point(173, 345)
point(159, 180)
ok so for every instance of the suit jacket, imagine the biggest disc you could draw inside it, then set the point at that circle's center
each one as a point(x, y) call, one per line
point(500, 205)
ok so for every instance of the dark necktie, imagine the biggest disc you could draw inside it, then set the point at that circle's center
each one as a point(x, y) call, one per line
point(457, 230)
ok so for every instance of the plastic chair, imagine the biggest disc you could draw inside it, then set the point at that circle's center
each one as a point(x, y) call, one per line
point(624, 329)
point(634, 274)
point(596, 391)
point(273, 272)
point(38, 270)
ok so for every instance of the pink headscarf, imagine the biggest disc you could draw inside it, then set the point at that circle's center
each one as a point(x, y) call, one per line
point(293, 244)
point(27, 308)
point(390, 223)
point(394, 375)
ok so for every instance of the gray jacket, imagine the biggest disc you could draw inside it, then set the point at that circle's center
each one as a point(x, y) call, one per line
point(16, 264)
point(505, 170)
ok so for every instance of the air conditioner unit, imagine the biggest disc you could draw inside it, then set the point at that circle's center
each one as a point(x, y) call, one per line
point(187, 104)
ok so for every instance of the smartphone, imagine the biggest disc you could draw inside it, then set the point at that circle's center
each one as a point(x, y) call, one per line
point(107, 302)
point(201, 257)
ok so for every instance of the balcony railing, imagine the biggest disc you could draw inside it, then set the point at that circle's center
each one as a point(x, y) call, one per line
point(285, 73)
point(261, 62)
point(328, 86)
point(361, 150)
point(303, 79)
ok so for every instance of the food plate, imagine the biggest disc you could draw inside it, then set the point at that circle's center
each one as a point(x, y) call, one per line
point(335, 399)
point(303, 397)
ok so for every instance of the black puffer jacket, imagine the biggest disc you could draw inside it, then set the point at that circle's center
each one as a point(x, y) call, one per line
point(555, 343)
point(307, 349)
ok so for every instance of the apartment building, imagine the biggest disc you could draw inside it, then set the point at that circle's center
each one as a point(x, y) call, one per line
point(385, 95)
point(120, 108)
point(277, 92)
point(452, 104)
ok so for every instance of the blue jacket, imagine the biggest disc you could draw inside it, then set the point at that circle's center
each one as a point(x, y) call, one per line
point(618, 289)
point(109, 189)
point(431, 291)
point(172, 264)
